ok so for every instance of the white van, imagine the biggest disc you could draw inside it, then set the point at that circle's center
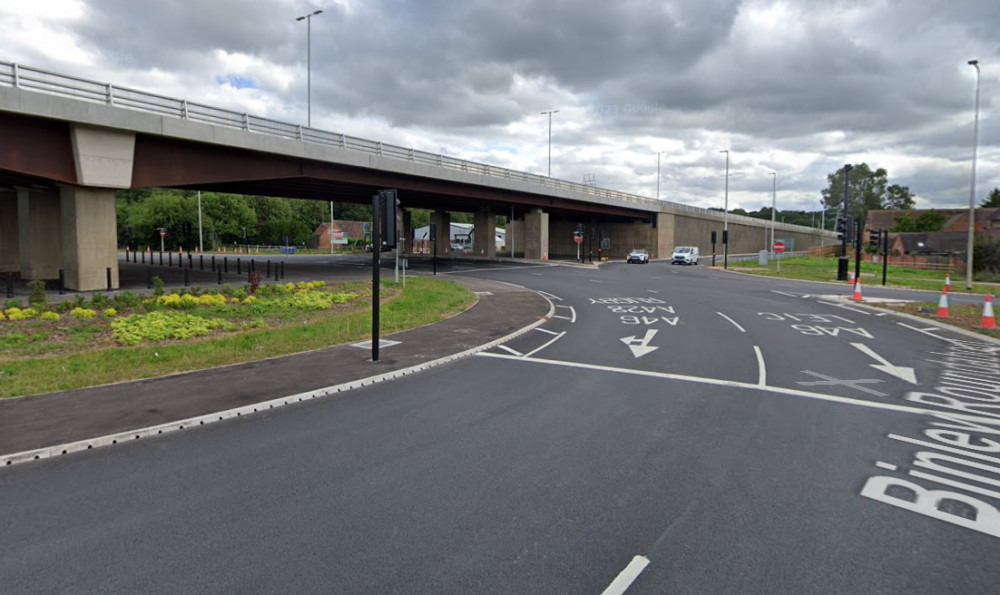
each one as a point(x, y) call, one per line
point(685, 255)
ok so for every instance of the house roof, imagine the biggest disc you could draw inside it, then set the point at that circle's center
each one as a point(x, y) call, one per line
point(940, 242)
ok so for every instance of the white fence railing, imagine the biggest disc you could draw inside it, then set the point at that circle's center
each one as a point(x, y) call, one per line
point(34, 79)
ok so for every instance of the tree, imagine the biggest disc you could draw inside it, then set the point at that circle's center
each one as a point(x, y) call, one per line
point(927, 221)
point(993, 199)
point(898, 198)
point(866, 191)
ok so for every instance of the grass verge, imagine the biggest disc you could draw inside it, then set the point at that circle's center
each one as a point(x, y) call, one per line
point(38, 356)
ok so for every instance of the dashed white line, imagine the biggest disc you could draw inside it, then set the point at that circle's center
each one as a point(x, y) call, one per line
point(545, 330)
point(627, 576)
point(572, 310)
point(791, 295)
point(742, 330)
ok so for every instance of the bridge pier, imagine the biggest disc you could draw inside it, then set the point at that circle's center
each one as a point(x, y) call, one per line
point(406, 233)
point(442, 221)
point(10, 257)
point(484, 241)
point(39, 234)
point(90, 237)
point(536, 235)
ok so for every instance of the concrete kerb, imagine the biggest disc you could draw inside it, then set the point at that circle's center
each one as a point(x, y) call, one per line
point(8, 460)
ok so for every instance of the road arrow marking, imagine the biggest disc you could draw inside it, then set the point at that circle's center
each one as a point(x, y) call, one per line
point(900, 372)
point(641, 347)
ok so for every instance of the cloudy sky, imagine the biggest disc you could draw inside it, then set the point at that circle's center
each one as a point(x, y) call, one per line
point(797, 87)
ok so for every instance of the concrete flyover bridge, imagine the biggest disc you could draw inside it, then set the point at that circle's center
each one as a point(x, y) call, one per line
point(72, 142)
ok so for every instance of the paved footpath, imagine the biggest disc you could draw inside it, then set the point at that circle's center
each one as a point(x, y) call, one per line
point(46, 420)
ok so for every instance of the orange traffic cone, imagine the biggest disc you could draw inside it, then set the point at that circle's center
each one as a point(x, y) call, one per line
point(988, 320)
point(850, 277)
point(947, 282)
point(857, 291)
point(942, 310)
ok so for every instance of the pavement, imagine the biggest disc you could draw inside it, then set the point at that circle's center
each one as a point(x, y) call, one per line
point(82, 416)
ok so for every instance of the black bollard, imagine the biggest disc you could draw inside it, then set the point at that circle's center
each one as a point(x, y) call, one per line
point(149, 277)
point(10, 285)
point(225, 264)
point(187, 277)
point(170, 259)
point(62, 281)
point(144, 258)
point(190, 262)
point(220, 276)
point(213, 262)
point(109, 278)
point(275, 274)
point(201, 262)
point(282, 269)
point(161, 258)
point(253, 266)
point(268, 273)
point(239, 267)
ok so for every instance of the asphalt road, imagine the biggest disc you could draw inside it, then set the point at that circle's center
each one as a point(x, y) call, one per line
point(670, 430)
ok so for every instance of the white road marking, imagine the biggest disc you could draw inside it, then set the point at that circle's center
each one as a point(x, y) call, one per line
point(550, 296)
point(627, 576)
point(483, 292)
point(886, 466)
point(509, 350)
point(381, 343)
point(641, 347)
point(553, 340)
point(762, 375)
point(831, 381)
point(595, 281)
point(929, 331)
point(900, 372)
point(545, 330)
point(742, 330)
point(572, 311)
point(652, 291)
point(791, 295)
point(846, 307)
point(791, 392)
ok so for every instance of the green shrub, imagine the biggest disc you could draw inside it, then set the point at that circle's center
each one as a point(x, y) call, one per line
point(160, 326)
point(82, 313)
point(37, 297)
point(157, 286)
point(50, 316)
point(12, 304)
point(127, 299)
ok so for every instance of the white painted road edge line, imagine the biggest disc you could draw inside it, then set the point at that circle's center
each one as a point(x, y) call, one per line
point(8, 460)
point(626, 577)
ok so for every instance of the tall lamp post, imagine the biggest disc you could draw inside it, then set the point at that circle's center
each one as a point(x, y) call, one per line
point(550, 112)
point(725, 218)
point(658, 174)
point(774, 200)
point(972, 189)
point(308, 19)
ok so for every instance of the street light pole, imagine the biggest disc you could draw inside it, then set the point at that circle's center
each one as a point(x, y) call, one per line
point(972, 188)
point(658, 175)
point(555, 111)
point(774, 200)
point(725, 218)
point(308, 20)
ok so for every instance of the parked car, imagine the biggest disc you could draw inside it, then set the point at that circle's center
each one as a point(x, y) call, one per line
point(638, 257)
point(685, 255)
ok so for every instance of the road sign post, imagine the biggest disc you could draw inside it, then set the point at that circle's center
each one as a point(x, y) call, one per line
point(779, 247)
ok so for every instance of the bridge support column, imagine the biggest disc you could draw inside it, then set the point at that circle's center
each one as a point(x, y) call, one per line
point(10, 259)
point(484, 242)
point(406, 233)
point(536, 235)
point(88, 225)
point(442, 220)
point(39, 237)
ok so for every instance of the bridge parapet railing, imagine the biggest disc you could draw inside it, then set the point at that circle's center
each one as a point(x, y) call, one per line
point(34, 79)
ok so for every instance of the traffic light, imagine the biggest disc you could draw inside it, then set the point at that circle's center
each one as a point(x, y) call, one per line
point(874, 238)
point(841, 228)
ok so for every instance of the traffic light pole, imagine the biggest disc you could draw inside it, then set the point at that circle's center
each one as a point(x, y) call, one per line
point(885, 254)
point(858, 224)
point(843, 261)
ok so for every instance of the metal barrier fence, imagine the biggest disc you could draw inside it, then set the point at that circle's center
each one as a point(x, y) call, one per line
point(42, 81)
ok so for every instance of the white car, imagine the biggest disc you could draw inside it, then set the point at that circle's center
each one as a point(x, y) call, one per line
point(685, 255)
point(638, 257)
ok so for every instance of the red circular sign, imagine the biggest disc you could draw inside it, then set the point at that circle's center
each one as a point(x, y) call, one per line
point(779, 247)
point(578, 239)
point(163, 233)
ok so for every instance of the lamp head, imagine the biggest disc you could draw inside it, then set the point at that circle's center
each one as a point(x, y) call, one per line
point(973, 62)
